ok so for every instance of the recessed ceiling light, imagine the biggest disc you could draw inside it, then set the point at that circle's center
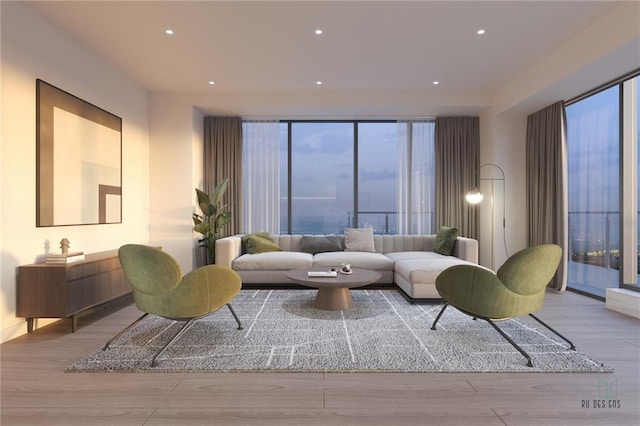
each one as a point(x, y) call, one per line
point(318, 31)
point(168, 31)
point(480, 32)
point(212, 82)
point(436, 82)
point(318, 83)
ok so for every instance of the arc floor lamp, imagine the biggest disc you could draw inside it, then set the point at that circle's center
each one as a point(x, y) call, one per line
point(475, 196)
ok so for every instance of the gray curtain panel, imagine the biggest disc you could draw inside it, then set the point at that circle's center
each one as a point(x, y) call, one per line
point(546, 205)
point(223, 159)
point(457, 151)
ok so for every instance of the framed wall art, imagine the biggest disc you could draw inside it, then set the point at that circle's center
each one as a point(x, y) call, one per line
point(78, 160)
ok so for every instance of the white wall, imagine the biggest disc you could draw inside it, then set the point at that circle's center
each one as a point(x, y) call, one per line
point(606, 49)
point(197, 176)
point(502, 142)
point(176, 129)
point(32, 48)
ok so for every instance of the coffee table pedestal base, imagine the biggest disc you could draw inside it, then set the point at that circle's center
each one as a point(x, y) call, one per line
point(334, 299)
point(333, 292)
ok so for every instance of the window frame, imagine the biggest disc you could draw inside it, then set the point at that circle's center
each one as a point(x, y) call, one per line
point(628, 189)
point(356, 141)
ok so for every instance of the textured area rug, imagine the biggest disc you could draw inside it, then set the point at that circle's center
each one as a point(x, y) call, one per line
point(382, 332)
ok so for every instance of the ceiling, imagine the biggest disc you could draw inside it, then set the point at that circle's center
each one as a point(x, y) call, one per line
point(270, 47)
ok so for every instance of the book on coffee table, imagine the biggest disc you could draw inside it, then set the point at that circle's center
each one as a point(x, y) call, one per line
point(322, 274)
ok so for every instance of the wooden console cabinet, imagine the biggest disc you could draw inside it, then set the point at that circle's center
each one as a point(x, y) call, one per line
point(62, 291)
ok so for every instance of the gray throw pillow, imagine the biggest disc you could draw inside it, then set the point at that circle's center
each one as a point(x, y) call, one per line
point(359, 239)
point(445, 240)
point(321, 244)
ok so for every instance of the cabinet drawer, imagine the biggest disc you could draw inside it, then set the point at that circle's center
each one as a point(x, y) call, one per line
point(112, 264)
point(118, 282)
point(83, 293)
point(82, 270)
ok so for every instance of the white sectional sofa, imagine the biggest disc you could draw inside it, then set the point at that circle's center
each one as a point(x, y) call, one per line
point(406, 260)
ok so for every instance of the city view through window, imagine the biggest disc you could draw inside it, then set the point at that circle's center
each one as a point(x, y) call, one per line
point(355, 174)
point(322, 178)
point(594, 163)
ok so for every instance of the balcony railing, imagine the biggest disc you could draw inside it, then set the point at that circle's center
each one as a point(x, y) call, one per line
point(594, 238)
point(388, 224)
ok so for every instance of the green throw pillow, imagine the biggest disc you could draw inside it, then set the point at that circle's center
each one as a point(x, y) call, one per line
point(445, 240)
point(260, 242)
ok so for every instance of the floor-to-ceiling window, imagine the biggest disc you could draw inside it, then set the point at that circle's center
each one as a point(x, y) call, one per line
point(322, 159)
point(378, 177)
point(593, 151)
point(631, 132)
point(338, 174)
point(637, 106)
point(601, 220)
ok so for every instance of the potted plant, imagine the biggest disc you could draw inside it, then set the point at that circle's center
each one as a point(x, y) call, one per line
point(214, 216)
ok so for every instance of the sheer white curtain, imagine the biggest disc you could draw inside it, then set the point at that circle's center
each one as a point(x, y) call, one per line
point(416, 176)
point(261, 176)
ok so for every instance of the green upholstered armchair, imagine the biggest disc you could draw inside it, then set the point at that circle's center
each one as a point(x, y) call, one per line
point(517, 289)
point(160, 289)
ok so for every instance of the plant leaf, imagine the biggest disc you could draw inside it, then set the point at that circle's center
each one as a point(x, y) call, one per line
point(223, 219)
point(202, 228)
point(203, 202)
point(219, 191)
point(214, 216)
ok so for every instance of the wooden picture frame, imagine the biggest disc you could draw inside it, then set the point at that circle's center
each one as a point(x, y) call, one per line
point(78, 160)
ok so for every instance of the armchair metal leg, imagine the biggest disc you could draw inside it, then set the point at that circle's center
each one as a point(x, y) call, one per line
point(173, 339)
point(572, 346)
point(514, 344)
point(235, 316)
point(433, 326)
point(129, 327)
point(184, 329)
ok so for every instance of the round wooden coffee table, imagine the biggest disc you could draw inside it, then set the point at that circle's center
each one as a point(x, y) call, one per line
point(333, 292)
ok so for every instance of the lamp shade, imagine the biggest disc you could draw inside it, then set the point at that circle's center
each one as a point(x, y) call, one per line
point(474, 196)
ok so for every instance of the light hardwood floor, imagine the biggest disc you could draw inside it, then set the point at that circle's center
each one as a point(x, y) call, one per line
point(36, 390)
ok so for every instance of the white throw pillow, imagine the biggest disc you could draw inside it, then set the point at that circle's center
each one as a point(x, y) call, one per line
point(359, 239)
